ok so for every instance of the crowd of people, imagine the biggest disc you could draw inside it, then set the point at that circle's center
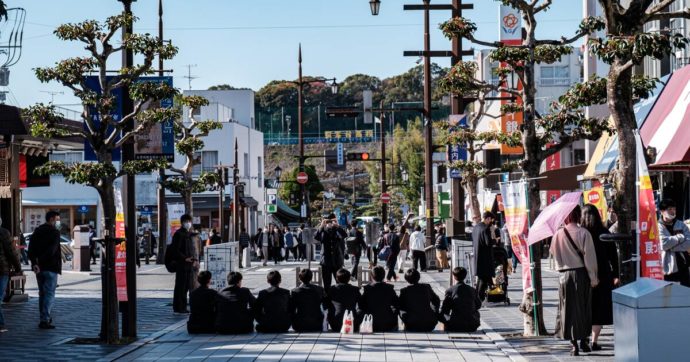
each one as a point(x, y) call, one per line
point(311, 308)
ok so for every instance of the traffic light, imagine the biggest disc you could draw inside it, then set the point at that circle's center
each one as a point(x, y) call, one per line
point(358, 156)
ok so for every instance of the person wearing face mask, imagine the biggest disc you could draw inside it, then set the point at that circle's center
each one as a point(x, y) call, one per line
point(183, 249)
point(46, 262)
point(674, 237)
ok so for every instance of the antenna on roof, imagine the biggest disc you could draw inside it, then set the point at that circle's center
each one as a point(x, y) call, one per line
point(189, 75)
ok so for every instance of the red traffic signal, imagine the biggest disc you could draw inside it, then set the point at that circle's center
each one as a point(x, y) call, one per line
point(358, 156)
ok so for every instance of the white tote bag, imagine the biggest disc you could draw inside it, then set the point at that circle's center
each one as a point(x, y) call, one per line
point(367, 326)
point(348, 323)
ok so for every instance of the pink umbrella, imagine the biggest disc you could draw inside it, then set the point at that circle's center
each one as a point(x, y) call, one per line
point(552, 217)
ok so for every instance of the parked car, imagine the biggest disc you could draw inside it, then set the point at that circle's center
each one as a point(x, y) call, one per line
point(66, 245)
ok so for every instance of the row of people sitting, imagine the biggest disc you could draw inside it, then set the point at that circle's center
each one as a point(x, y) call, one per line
point(234, 309)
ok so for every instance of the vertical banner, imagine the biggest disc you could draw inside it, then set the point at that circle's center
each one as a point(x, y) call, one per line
point(596, 197)
point(510, 33)
point(514, 195)
point(159, 142)
point(175, 212)
point(647, 224)
point(121, 271)
point(119, 215)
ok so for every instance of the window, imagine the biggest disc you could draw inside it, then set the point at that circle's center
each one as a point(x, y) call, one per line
point(67, 157)
point(260, 173)
point(555, 75)
point(196, 112)
point(209, 161)
point(246, 165)
point(579, 157)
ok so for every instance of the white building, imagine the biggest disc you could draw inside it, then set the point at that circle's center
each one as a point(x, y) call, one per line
point(79, 204)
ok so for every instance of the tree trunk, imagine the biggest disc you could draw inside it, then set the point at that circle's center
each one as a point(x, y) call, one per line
point(471, 189)
point(618, 90)
point(109, 315)
point(188, 203)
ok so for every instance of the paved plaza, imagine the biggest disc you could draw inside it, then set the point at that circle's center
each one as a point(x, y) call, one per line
point(163, 335)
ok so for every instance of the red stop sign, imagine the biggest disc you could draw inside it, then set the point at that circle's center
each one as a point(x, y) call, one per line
point(302, 178)
point(385, 198)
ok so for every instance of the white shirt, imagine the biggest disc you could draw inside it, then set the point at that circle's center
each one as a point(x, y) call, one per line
point(417, 241)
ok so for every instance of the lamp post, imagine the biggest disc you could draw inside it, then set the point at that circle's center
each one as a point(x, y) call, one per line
point(300, 125)
point(375, 5)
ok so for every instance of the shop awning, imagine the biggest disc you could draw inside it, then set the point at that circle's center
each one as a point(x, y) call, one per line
point(249, 202)
point(666, 127)
point(561, 179)
point(597, 163)
point(59, 202)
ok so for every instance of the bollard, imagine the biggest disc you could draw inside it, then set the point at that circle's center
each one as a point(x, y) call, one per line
point(316, 276)
point(363, 276)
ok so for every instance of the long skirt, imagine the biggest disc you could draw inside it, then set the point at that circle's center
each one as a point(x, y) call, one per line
point(574, 318)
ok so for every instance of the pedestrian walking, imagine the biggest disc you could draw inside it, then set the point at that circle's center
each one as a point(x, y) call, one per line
point(183, 254)
point(392, 240)
point(417, 241)
point(9, 265)
point(419, 304)
point(92, 245)
point(460, 308)
point(441, 244)
point(261, 245)
point(404, 248)
point(276, 244)
point(355, 244)
point(301, 245)
point(379, 300)
point(244, 243)
point(483, 239)
point(46, 262)
point(234, 314)
point(332, 238)
point(607, 272)
point(214, 238)
point(342, 297)
point(306, 303)
point(202, 306)
point(675, 241)
point(271, 309)
point(573, 251)
point(290, 244)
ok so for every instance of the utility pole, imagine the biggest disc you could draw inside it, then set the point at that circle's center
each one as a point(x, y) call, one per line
point(235, 197)
point(428, 132)
point(300, 130)
point(221, 201)
point(384, 206)
point(162, 204)
point(129, 312)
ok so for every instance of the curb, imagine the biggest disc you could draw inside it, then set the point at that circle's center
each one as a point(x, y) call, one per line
point(493, 336)
point(139, 343)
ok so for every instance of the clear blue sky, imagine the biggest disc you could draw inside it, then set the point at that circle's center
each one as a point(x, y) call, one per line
point(247, 43)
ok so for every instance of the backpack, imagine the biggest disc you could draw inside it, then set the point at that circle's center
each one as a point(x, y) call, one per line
point(351, 244)
point(170, 262)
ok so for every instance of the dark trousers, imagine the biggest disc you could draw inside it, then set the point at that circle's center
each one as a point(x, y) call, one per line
point(302, 251)
point(355, 264)
point(483, 284)
point(183, 278)
point(92, 251)
point(276, 254)
point(682, 276)
point(328, 274)
point(390, 264)
point(292, 250)
point(419, 260)
point(372, 255)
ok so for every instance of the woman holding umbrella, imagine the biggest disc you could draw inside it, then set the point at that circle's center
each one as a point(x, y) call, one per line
point(607, 271)
point(576, 260)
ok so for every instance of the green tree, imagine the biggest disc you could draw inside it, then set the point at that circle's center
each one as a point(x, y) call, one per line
point(408, 155)
point(221, 87)
point(188, 142)
point(109, 133)
point(291, 190)
point(351, 89)
point(409, 86)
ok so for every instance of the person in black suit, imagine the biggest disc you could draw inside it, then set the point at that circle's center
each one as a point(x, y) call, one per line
point(418, 304)
point(233, 307)
point(182, 249)
point(305, 305)
point(484, 242)
point(342, 297)
point(271, 308)
point(462, 304)
point(379, 300)
point(202, 306)
point(332, 239)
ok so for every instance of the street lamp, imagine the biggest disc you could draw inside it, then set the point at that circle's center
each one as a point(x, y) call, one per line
point(375, 6)
point(334, 87)
point(278, 172)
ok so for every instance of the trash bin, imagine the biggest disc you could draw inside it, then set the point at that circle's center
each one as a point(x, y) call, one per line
point(82, 257)
point(651, 321)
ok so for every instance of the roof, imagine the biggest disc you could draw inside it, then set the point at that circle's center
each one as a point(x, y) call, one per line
point(11, 122)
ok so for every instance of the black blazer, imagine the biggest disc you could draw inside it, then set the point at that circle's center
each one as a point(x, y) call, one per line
point(233, 311)
point(305, 307)
point(419, 307)
point(341, 297)
point(380, 300)
point(481, 236)
point(462, 304)
point(44, 249)
point(271, 310)
point(202, 307)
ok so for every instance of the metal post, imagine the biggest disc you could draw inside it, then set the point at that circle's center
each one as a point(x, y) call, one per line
point(384, 206)
point(300, 120)
point(221, 199)
point(162, 205)
point(235, 199)
point(428, 129)
point(129, 312)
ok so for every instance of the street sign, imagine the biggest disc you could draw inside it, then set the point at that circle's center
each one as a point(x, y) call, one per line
point(385, 198)
point(455, 173)
point(341, 159)
point(367, 102)
point(271, 209)
point(145, 210)
point(342, 112)
point(303, 210)
point(83, 209)
point(271, 191)
point(302, 178)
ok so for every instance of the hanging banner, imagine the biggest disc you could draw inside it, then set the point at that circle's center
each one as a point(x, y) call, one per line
point(647, 224)
point(510, 33)
point(119, 215)
point(121, 271)
point(159, 142)
point(175, 212)
point(596, 197)
point(514, 195)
